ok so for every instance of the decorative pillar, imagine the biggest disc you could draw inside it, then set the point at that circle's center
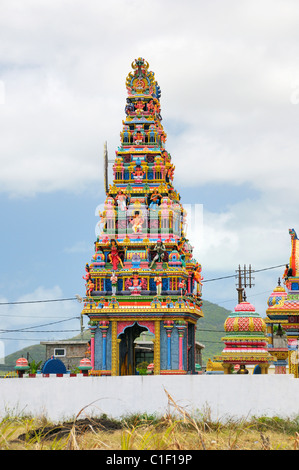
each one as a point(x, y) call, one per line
point(157, 348)
point(266, 367)
point(168, 325)
point(270, 333)
point(104, 325)
point(227, 367)
point(118, 341)
point(114, 348)
point(92, 327)
point(181, 326)
point(280, 367)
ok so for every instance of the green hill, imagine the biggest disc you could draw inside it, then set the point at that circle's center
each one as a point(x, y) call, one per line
point(209, 333)
point(210, 329)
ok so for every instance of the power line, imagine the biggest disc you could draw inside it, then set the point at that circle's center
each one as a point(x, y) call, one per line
point(218, 342)
point(75, 298)
point(28, 316)
point(36, 301)
point(37, 331)
point(234, 275)
point(26, 339)
point(36, 326)
point(213, 331)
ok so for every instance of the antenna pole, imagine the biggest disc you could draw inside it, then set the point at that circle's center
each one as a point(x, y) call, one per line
point(244, 280)
point(105, 168)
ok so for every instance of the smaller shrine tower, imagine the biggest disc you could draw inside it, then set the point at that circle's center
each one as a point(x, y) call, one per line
point(245, 340)
point(283, 314)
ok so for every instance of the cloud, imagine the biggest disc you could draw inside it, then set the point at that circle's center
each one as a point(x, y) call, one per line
point(246, 233)
point(229, 83)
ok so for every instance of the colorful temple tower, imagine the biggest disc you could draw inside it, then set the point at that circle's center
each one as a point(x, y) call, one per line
point(142, 276)
point(245, 341)
point(283, 314)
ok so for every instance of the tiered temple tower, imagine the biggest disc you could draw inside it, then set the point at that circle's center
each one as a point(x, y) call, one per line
point(142, 276)
point(283, 313)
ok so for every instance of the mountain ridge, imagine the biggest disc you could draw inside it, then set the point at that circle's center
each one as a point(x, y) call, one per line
point(209, 333)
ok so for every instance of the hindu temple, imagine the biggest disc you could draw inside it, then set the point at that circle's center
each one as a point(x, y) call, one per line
point(142, 278)
point(283, 314)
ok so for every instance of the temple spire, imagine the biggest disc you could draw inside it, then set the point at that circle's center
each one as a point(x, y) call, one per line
point(142, 276)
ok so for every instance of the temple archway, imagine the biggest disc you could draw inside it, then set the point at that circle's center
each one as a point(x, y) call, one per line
point(127, 347)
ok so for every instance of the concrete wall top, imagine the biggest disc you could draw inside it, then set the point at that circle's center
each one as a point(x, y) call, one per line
point(221, 396)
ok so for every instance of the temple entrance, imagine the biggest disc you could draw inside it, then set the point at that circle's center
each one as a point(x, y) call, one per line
point(131, 351)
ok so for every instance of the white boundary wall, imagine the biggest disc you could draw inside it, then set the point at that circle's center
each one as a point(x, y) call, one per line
point(223, 396)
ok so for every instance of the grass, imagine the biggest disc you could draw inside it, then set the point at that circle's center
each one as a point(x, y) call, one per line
point(168, 433)
point(177, 430)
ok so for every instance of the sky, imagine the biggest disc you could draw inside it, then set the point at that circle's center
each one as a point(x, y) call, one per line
point(229, 77)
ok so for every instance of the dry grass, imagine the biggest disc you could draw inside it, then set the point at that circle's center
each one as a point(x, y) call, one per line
point(177, 430)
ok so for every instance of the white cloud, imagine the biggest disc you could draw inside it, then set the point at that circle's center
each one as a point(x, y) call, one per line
point(229, 81)
point(248, 233)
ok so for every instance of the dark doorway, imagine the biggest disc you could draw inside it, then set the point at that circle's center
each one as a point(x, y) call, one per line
point(127, 365)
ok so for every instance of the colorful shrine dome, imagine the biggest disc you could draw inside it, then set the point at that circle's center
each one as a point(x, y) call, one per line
point(85, 364)
point(22, 364)
point(245, 319)
point(245, 340)
point(277, 297)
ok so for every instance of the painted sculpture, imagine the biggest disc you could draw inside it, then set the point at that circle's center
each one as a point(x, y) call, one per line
point(159, 249)
point(144, 276)
point(114, 255)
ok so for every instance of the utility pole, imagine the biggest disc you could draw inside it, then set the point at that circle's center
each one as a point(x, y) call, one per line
point(105, 168)
point(81, 326)
point(244, 279)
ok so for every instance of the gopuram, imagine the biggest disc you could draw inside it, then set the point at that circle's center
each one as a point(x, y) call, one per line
point(142, 276)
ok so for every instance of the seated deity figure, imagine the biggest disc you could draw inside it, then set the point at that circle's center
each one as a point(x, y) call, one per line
point(135, 284)
point(137, 222)
point(113, 256)
point(154, 200)
point(138, 174)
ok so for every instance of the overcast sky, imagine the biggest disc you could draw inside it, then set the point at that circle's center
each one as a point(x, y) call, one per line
point(229, 76)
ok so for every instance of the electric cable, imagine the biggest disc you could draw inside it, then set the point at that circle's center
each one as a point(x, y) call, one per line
point(235, 275)
point(74, 298)
point(36, 301)
point(36, 326)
